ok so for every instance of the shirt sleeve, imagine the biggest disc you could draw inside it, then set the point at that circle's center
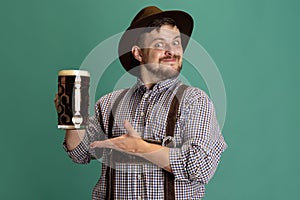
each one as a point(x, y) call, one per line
point(198, 156)
point(82, 154)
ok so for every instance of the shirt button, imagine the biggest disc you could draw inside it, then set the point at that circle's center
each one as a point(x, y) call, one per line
point(146, 95)
point(139, 198)
point(142, 114)
point(139, 177)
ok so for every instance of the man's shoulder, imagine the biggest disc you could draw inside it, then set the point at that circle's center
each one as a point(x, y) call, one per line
point(192, 92)
point(110, 97)
point(197, 97)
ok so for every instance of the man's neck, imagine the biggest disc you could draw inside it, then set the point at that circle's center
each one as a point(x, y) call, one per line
point(149, 82)
point(149, 85)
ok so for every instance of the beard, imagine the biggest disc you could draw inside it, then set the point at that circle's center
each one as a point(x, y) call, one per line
point(164, 71)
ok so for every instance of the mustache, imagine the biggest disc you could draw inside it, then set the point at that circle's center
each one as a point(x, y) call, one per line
point(170, 57)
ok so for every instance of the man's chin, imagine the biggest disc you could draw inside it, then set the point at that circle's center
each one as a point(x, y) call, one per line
point(167, 74)
point(171, 67)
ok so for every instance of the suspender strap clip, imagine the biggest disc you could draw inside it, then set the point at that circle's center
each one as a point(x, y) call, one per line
point(168, 142)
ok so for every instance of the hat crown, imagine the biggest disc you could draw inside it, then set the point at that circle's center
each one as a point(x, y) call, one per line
point(146, 12)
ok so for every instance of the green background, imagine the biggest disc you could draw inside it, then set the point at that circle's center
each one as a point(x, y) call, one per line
point(255, 45)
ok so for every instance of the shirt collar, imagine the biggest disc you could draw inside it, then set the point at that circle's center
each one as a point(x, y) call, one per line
point(158, 87)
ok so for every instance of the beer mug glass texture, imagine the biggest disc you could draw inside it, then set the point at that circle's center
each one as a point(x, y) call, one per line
point(73, 99)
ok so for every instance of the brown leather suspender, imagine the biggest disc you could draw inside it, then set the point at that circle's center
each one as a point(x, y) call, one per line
point(169, 184)
point(169, 187)
point(110, 170)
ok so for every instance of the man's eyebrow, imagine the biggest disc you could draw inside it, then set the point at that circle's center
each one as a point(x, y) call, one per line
point(155, 39)
point(178, 36)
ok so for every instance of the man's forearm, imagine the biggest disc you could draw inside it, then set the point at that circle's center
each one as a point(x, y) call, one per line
point(132, 143)
point(158, 155)
point(73, 138)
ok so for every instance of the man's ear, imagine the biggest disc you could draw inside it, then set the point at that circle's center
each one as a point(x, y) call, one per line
point(137, 53)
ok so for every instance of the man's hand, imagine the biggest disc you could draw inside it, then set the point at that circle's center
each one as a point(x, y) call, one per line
point(130, 143)
point(56, 103)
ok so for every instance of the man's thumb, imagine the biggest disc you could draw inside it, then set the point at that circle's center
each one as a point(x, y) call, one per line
point(130, 129)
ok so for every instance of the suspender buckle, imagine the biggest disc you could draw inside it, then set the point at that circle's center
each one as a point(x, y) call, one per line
point(168, 142)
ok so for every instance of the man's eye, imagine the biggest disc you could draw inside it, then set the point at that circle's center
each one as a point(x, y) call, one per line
point(159, 45)
point(176, 43)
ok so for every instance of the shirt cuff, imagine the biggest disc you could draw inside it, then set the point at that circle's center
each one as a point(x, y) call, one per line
point(80, 154)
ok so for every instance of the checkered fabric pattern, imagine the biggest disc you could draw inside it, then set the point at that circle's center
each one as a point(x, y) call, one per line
point(197, 136)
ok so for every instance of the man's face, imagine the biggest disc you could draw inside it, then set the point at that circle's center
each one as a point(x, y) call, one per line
point(162, 52)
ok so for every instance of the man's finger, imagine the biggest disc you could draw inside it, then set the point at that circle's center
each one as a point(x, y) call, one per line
point(96, 144)
point(56, 103)
point(130, 129)
point(102, 144)
point(109, 143)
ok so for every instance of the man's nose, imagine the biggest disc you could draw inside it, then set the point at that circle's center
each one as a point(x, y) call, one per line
point(169, 51)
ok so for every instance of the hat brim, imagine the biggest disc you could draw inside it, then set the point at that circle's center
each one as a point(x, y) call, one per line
point(184, 23)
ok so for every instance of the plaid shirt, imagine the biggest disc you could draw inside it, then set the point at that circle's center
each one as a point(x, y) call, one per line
point(197, 136)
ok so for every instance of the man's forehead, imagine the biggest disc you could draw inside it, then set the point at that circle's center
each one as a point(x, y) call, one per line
point(167, 31)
